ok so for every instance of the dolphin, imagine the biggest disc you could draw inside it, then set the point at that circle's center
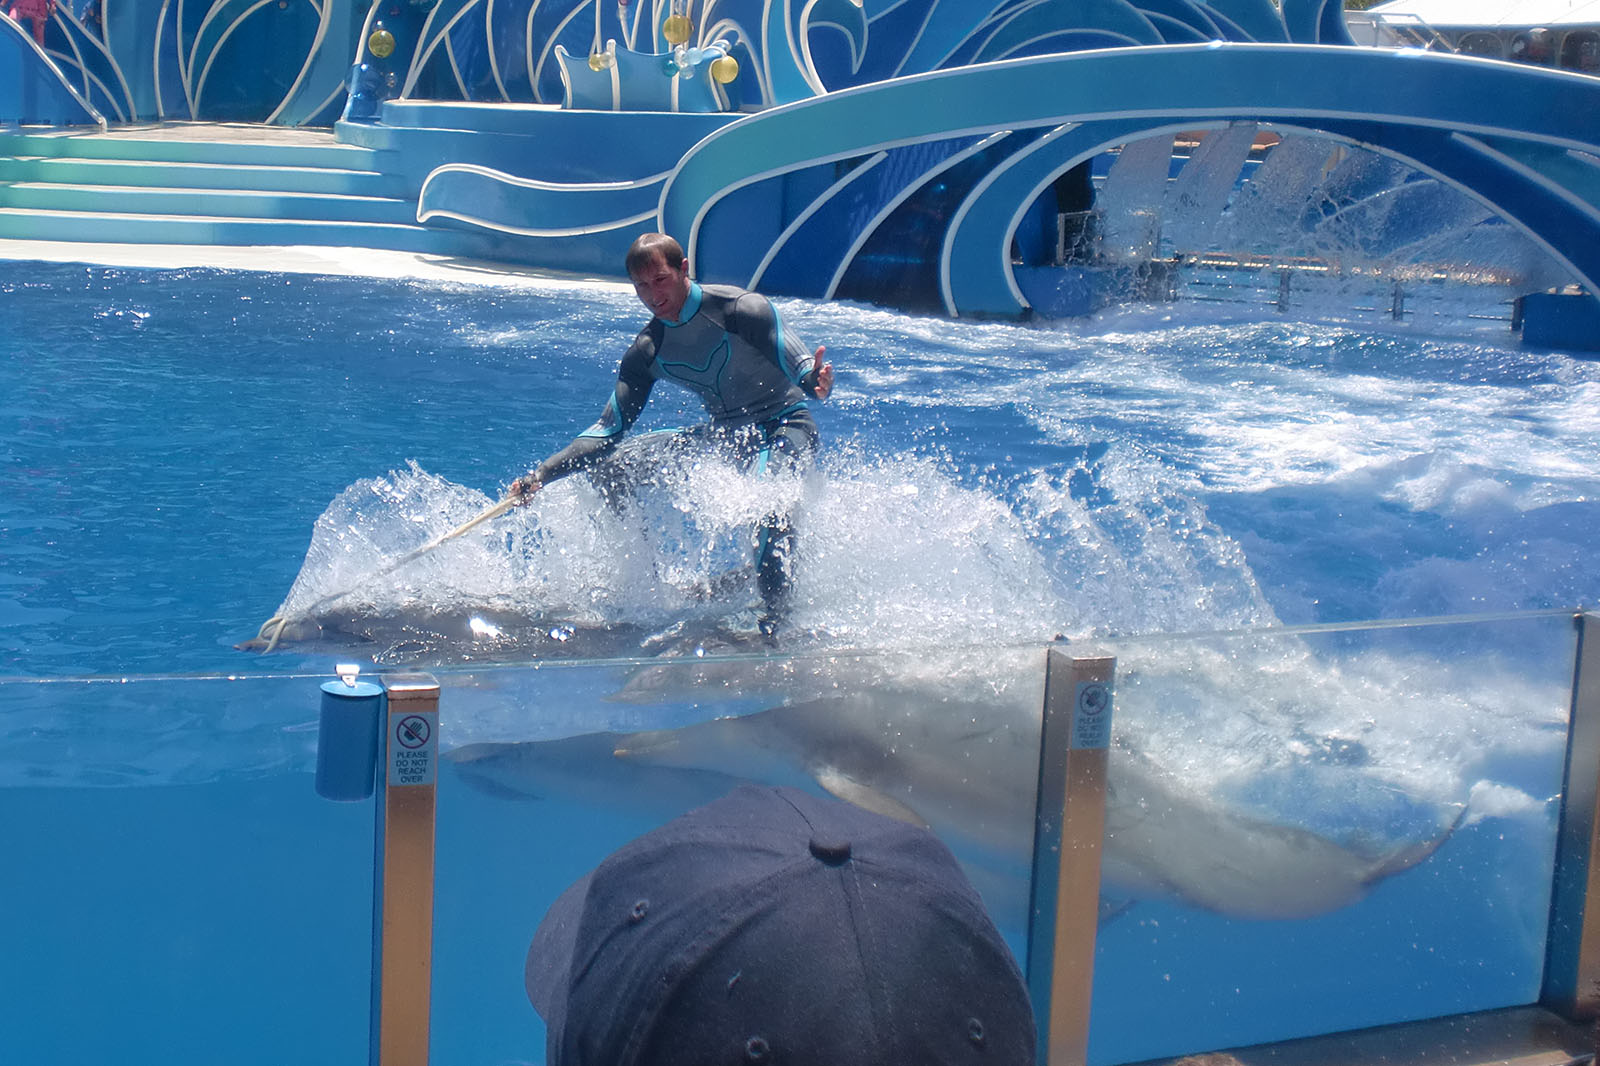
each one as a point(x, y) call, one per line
point(971, 775)
point(968, 770)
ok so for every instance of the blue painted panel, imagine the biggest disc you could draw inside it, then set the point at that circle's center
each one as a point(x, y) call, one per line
point(891, 33)
point(494, 200)
point(1114, 20)
point(89, 68)
point(317, 92)
point(1258, 18)
point(1579, 175)
point(814, 252)
point(981, 279)
point(1316, 21)
point(172, 102)
point(947, 28)
point(788, 73)
point(539, 141)
point(129, 32)
point(1184, 12)
point(31, 90)
point(247, 56)
point(1174, 31)
point(899, 263)
point(507, 20)
point(741, 227)
point(469, 46)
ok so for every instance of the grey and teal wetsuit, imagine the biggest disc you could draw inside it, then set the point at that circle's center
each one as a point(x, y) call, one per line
point(731, 348)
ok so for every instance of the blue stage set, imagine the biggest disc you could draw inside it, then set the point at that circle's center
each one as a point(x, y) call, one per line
point(975, 159)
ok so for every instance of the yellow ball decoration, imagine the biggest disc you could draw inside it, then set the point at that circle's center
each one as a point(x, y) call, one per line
point(381, 44)
point(724, 70)
point(676, 29)
point(599, 61)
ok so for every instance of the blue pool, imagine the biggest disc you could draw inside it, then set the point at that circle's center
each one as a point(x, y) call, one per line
point(187, 452)
point(172, 438)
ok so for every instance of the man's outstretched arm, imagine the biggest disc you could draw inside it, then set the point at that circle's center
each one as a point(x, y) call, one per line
point(620, 412)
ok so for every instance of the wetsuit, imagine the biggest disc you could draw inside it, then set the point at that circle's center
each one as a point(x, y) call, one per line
point(754, 376)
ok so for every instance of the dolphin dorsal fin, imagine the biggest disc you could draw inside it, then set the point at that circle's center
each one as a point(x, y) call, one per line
point(866, 797)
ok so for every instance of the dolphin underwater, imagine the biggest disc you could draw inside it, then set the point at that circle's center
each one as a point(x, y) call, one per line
point(968, 770)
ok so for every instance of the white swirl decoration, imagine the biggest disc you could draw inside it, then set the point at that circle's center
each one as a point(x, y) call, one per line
point(289, 61)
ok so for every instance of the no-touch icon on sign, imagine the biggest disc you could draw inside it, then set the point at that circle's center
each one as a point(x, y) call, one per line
point(413, 731)
point(1091, 715)
point(413, 748)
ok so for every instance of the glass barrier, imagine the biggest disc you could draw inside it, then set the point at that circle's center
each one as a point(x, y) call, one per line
point(1307, 831)
point(1311, 832)
point(175, 889)
point(546, 770)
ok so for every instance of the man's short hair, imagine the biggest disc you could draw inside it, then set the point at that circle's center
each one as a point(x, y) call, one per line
point(776, 926)
point(647, 246)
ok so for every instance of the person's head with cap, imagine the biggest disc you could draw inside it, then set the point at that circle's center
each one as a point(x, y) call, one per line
point(779, 928)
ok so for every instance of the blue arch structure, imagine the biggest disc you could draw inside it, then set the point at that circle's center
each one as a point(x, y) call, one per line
point(1524, 141)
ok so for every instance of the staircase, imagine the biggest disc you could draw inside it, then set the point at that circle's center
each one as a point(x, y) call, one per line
point(217, 184)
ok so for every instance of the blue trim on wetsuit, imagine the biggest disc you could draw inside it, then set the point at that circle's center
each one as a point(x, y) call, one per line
point(610, 423)
point(690, 308)
point(780, 348)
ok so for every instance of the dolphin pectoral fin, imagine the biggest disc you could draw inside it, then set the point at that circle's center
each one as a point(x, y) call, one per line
point(866, 797)
point(1407, 857)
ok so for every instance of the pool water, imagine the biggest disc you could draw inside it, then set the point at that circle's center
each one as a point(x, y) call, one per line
point(171, 439)
point(190, 452)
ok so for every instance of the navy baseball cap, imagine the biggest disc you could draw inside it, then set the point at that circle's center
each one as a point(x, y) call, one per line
point(777, 928)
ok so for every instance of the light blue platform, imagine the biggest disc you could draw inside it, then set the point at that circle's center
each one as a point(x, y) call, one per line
point(900, 154)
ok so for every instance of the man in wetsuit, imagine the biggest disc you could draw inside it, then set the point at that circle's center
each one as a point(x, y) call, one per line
point(754, 376)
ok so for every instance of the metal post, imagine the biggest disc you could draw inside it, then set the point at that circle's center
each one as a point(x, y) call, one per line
point(1069, 825)
point(1572, 954)
point(403, 908)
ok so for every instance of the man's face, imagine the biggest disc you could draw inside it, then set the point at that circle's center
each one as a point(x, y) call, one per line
point(661, 288)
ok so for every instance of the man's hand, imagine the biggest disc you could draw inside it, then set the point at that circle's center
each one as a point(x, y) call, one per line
point(824, 376)
point(523, 488)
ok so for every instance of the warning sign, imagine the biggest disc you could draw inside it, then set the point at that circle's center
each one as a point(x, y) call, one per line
point(413, 748)
point(1091, 715)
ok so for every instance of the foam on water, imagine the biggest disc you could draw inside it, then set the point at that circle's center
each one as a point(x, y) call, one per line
point(893, 551)
point(1177, 469)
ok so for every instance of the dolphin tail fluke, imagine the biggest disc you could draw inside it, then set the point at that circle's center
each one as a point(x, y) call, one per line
point(1407, 857)
point(866, 797)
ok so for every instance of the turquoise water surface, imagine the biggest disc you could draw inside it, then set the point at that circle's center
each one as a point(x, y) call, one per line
point(188, 452)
